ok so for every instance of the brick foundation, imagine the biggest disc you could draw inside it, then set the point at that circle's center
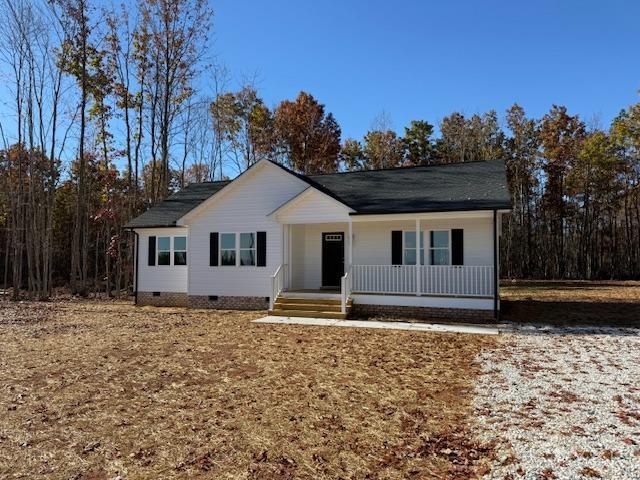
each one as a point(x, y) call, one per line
point(165, 299)
point(228, 303)
point(422, 313)
point(360, 310)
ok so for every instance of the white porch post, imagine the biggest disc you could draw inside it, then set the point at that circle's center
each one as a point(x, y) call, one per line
point(289, 255)
point(283, 253)
point(418, 266)
point(350, 244)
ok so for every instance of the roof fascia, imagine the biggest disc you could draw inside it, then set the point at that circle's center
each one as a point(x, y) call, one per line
point(385, 217)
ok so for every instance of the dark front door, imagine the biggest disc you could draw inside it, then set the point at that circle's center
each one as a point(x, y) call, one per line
point(332, 258)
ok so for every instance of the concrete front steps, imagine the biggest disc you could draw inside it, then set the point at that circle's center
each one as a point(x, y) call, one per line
point(310, 307)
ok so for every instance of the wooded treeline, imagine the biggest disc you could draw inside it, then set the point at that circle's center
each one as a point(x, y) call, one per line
point(105, 114)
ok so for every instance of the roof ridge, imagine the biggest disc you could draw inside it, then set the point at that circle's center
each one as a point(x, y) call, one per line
point(406, 167)
point(208, 182)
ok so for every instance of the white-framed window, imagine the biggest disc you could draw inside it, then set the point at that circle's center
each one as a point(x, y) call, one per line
point(409, 247)
point(238, 249)
point(439, 247)
point(179, 250)
point(248, 249)
point(164, 250)
point(228, 249)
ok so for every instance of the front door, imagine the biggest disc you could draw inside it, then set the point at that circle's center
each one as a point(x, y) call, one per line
point(332, 258)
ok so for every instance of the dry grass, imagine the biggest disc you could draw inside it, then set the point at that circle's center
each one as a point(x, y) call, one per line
point(572, 291)
point(94, 390)
point(607, 303)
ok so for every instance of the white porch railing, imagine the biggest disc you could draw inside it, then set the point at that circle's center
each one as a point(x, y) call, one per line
point(472, 281)
point(384, 279)
point(345, 290)
point(277, 284)
point(447, 280)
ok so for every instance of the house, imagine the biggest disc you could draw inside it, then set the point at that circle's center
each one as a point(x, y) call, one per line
point(416, 241)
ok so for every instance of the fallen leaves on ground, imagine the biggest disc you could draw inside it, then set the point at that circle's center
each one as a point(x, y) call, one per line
point(96, 390)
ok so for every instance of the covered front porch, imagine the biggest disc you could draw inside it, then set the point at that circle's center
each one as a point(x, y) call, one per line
point(419, 260)
point(391, 262)
point(319, 256)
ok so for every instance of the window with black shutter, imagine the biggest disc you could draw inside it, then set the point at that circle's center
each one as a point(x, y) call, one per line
point(457, 246)
point(262, 249)
point(213, 249)
point(396, 247)
point(152, 251)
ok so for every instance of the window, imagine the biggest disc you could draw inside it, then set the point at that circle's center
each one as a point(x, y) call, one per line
point(439, 247)
point(238, 249)
point(247, 249)
point(228, 249)
point(409, 254)
point(164, 250)
point(179, 250)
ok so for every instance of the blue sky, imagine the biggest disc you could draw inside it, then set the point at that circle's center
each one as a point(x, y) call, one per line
point(423, 60)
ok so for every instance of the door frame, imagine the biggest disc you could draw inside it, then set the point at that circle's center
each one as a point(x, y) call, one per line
point(339, 260)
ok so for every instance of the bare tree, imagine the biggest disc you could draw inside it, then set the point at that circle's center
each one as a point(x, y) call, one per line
point(178, 32)
point(30, 38)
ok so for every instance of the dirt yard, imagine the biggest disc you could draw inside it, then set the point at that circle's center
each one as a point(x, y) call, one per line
point(572, 302)
point(105, 390)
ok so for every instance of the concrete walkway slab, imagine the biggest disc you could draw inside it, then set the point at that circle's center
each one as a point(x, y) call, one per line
point(417, 327)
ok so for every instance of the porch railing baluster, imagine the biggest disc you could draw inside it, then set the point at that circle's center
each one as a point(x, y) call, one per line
point(448, 280)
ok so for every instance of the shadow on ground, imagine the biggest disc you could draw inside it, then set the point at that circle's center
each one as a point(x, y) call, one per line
point(570, 313)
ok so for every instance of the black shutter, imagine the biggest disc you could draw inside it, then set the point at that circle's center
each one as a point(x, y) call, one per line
point(213, 249)
point(396, 247)
point(457, 247)
point(261, 245)
point(152, 251)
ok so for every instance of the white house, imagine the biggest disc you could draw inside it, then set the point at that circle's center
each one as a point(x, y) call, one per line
point(419, 241)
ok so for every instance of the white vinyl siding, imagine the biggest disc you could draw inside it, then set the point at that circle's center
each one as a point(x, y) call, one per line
point(372, 240)
point(160, 278)
point(313, 205)
point(244, 206)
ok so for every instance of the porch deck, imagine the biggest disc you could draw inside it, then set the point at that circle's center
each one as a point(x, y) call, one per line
point(380, 287)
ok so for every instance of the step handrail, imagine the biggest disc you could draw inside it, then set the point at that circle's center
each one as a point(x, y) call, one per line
point(345, 291)
point(277, 285)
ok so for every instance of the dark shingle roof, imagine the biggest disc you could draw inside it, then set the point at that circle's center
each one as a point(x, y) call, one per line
point(433, 188)
point(166, 214)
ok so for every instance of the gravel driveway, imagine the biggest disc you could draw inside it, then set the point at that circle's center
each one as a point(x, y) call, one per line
point(563, 404)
